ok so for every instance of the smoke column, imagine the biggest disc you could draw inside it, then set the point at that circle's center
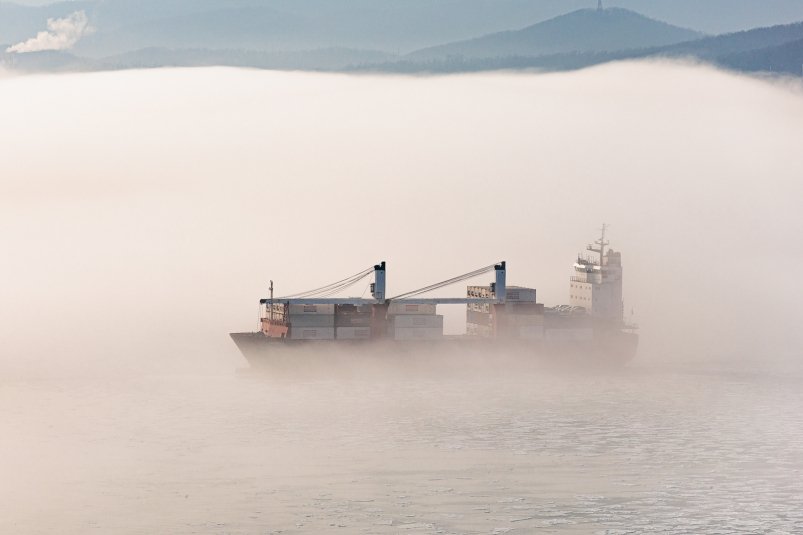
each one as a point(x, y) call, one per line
point(61, 34)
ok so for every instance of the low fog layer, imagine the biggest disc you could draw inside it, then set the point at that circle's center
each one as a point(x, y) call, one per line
point(142, 213)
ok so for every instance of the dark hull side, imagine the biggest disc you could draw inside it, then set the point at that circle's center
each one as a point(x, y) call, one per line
point(614, 349)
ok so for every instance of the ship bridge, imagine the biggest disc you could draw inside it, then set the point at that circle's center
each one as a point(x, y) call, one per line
point(596, 283)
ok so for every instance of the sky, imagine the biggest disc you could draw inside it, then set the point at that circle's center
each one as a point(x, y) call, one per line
point(142, 213)
point(712, 16)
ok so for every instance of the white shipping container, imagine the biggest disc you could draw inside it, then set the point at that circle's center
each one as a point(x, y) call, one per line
point(418, 320)
point(311, 320)
point(569, 335)
point(312, 309)
point(312, 333)
point(513, 294)
point(417, 333)
point(531, 332)
point(482, 292)
point(518, 294)
point(353, 333)
point(397, 308)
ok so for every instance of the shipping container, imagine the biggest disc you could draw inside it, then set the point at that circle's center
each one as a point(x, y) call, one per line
point(531, 332)
point(524, 308)
point(274, 329)
point(278, 311)
point(515, 294)
point(482, 292)
point(353, 333)
point(312, 309)
point(479, 307)
point(418, 320)
point(417, 333)
point(354, 309)
point(352, 320)
point(312, 333)
point(311, 320)
point(520, 294)
point(398, 308)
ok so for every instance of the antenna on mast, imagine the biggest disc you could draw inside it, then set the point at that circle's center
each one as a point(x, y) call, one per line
point(599, 5)
point(602, 244)
point(271, 301)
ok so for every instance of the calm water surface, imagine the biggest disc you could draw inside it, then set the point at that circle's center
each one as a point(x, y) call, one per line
point(645, 450)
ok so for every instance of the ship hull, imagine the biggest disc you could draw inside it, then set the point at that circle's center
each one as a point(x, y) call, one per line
point(609, 350)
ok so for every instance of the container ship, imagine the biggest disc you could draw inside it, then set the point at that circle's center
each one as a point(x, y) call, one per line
point(503, 322)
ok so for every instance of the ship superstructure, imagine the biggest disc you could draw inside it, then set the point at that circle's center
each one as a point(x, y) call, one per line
point(497, 316)
point(597, 282)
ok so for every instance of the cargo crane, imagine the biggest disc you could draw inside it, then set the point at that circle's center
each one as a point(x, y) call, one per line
point(319, 296)
point(498, 316)
point(275, 312)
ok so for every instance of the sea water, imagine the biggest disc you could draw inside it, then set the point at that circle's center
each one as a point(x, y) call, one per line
point(646, 449)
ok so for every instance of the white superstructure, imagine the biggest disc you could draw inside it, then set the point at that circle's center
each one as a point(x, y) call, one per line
point(596, 283)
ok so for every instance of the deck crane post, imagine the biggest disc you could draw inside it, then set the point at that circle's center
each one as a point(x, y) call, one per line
point(378, 286)
point(378, 291)
point(500, 285)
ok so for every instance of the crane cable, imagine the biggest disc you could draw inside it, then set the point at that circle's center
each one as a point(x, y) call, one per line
point(447, 282)
point(330, 288)
point(343, 286)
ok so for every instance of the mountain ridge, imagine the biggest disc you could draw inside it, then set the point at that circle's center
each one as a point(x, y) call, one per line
point(771, 49)
point(777, 49)
point(582, 30)
point(388, 25)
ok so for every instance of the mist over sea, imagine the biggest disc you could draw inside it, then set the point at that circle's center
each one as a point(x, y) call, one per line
point(638, 451)
point(142, 214)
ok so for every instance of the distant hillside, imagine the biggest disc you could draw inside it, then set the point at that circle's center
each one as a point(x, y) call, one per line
point(326, 59)
point(786, 58)
point(370, 34)
point(775, 49)
point(734, 43)
point(394, 26)
point(585, 30)
point(48, 61)
point(778, 49)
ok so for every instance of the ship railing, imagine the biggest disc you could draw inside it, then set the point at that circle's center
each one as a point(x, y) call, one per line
point(275, 321)
point(586, 259)
point(581, 279)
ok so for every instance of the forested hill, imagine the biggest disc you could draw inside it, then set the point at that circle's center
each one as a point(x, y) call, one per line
point(584, 30)
point(778, 49)
point(310, 35)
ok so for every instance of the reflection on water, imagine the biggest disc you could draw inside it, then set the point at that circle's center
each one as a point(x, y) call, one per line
point(641, 451)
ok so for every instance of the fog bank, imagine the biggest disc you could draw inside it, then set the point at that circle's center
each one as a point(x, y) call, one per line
point(143, 212)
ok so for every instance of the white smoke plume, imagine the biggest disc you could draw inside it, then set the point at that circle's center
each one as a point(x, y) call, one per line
point(61, 34)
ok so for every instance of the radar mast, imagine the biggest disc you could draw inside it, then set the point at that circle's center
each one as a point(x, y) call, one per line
point(602, 244)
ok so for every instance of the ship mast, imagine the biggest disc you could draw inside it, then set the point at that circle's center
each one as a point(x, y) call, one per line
point(271, 302)
point(602, 244)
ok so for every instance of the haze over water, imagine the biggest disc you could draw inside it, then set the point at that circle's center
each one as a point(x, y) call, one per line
point(143, 212)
